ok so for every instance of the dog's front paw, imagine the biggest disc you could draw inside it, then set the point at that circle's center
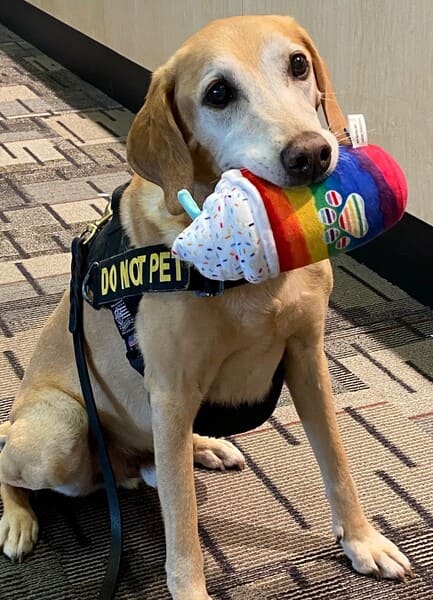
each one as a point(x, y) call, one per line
point(372, 553)
point(217, 454)
point(18, 533)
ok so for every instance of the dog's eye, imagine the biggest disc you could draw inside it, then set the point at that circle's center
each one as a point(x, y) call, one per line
point(219, 94)
point(299, 65)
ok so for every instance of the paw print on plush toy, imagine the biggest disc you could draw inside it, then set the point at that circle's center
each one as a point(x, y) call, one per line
point(341, 219)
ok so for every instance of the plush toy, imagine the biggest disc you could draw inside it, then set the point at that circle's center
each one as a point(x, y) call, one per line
point(252, 229)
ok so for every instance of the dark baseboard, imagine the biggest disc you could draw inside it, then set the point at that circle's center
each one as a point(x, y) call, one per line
point(404, 255)
point(120, 78)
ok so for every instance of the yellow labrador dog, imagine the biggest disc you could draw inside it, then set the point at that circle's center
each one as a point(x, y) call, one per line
point(243, 92)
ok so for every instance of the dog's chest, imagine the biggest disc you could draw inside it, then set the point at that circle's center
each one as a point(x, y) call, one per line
point(263, 314)
point(260, 324)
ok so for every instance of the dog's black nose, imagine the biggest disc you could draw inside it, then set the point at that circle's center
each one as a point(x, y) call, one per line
point(306, 158)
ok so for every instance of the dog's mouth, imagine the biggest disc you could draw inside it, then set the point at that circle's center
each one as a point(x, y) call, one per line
point(285, 182)
point(301, 170)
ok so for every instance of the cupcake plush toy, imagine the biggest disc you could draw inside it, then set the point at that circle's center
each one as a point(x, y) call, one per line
point(252, 229)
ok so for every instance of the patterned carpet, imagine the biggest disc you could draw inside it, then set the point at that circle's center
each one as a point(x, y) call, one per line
point(266, 531)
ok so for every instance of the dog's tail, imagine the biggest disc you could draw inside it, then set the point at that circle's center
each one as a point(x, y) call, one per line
point(4, 428)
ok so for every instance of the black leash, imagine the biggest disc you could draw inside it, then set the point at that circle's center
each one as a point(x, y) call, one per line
point(79, 252)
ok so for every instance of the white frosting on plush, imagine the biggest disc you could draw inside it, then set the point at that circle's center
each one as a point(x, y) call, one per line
point(231, 239)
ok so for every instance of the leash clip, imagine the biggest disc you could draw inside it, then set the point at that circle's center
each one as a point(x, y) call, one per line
point(93, 227)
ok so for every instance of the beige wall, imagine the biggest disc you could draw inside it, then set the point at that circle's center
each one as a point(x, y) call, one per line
point(146, 31)
point(379, 53)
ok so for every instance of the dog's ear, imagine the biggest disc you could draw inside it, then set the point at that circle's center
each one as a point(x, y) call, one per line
point(334, 115)
point(156, 148)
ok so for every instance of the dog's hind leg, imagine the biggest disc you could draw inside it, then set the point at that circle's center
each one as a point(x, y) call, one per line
point(19, 531)
point(46, 447)
point(208, 452)
point(216, 453)
point(18, 525)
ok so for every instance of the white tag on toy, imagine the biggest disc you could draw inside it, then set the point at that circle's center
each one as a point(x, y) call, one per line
point(357, 130)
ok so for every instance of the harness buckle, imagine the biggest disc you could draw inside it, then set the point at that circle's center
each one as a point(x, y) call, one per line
point(210, 287)
point(87, 293)
point(93, 227)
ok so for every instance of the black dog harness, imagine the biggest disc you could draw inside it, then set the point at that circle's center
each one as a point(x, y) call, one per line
point(107, 272)
point(117, 275)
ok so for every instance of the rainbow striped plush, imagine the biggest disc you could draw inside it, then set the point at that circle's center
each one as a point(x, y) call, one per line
point(364, 196)
point(249, 228)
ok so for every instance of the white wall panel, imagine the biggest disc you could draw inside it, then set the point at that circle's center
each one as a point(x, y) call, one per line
point(379, 52)
point(145, 31)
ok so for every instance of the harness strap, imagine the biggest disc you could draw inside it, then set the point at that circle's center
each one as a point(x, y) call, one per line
point(145, 270)
point(124, 312)
point(79, 252)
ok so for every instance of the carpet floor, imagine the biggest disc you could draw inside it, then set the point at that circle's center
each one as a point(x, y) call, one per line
point(266, 531)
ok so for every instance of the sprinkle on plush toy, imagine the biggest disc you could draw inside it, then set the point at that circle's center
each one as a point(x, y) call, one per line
point(252, 229)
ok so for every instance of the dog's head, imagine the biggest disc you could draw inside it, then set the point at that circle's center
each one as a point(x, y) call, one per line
point(242, 92)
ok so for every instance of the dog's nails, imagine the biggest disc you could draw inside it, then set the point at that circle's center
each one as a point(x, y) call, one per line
point(402, 578)
point(411, 573)
point(377, 574)
point(338, 539)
